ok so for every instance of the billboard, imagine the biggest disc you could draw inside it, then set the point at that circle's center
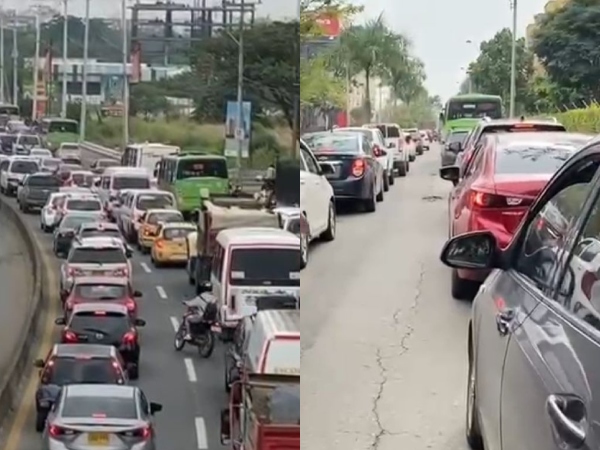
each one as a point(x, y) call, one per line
point(234, 132)
point(330, 26)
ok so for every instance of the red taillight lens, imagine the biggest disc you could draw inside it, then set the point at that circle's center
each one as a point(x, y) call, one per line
point(141, 433)
point(358, 168)
point(480, 199)
point(377, 152)
point(56, 431)
point(122, 272)
point(69, 337)
point(159, 243)
point(129, 338)
point(130, 304)
point(73, 272)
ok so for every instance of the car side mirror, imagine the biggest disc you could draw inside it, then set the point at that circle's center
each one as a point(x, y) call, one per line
point(140, 323)
point(450, 173)
point(455, 147)
point(137, 294)
point(60, 321)
point(475, 250)
point(225, 427)
point(39, 363)
point(327, 168)
point(155, 407)
point(128, 253)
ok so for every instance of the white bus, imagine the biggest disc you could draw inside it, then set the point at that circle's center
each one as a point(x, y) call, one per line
point(147, 155)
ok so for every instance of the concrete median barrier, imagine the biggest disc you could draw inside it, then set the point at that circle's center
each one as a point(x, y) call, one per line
point(24, 346)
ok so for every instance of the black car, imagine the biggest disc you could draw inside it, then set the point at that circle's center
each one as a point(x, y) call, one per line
point(449, 152)
point(6, 143)
point(534, 337)
point(64, 233)
point(74, 363)
point(36, 189)
point(356, 175)
point(105, 324)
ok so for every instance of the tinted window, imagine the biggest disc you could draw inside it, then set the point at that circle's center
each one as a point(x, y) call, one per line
point(72, 222)
point(72, 163)
point(9, 110)
point(110, 323)
point(98, 256)
point(393, 132)
point(101, 233)
point(382, 129)
point(29, 140)
point(333, 143)
point(531, 160)
point(50, 162)
point(470, 109)
point(81, 370)
point(58, 126)
point(100, 291)
point(154, 201)
point(82, 179)
point(84, 205)
point(255, 266)
point(457, 137)
point(104, 406)
point(125, 182)
point(201, 167)
point(36, 181)
point(155, 218)
point(24, 167)
point(69, 147)
point(177, 233)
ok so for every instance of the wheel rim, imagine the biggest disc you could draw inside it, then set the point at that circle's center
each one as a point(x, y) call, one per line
point(332, 222)
point(471, 396)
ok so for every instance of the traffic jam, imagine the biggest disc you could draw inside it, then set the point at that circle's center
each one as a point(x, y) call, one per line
point(240, 253)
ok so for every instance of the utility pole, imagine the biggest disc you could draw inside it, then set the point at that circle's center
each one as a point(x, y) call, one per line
point(348, 92)
point(125, 78)
point(15, 58)
point(86, 44)
point(240, 94)
point(2, 72)
point(65, 40)
point(513, 61)
point(36, 66)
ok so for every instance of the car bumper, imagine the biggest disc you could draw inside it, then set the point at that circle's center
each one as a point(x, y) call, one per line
point(347, 189)
point(168, 257)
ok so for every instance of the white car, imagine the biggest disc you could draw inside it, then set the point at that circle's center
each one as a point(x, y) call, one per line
point(13, 171)
point(134, 203)
point(40, 153)
point(291, 219)
point(50, 214)
point(396, 144)
point(25, 143)
point(387, 158)
point(317, 200)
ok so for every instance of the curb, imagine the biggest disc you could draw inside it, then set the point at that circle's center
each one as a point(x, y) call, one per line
point(26, 349)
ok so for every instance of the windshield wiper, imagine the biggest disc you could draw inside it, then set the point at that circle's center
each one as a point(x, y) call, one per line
point(96, 330)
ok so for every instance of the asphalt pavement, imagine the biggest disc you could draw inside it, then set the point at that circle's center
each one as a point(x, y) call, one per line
point(191, 389)
point(16, 289)
point(384, 344)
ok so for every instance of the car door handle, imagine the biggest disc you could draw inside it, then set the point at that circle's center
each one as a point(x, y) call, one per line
point(504, 321)
point(302, 182)
point(567, 414)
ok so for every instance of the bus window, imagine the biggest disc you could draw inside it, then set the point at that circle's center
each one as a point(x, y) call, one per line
point(465, 109)
point(202, 167)
point(62, 126)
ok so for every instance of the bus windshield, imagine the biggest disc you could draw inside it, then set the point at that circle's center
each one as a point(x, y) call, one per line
point(474, 109)
point(201, 167)
point(62, 126)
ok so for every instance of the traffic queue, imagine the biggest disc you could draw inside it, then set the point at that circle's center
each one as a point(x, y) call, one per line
point(242, 257)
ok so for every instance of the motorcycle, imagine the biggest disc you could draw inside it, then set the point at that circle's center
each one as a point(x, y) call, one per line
point(203, 325)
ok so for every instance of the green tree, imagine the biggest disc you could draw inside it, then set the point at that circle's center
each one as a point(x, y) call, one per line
point(490, 72)
point(567, 43)
point(318, 85)
point(148, 99)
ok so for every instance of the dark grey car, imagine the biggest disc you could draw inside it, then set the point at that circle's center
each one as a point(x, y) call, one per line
point(450, 149)
point(36, 190)
point(534, 335)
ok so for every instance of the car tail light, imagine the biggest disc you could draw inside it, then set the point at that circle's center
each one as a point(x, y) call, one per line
point(56, 432)
point(358, 167)
point(159, 243)
point(377, 151)
point(121, 272)
point(140, 433)
point(73, 272)
point(130, 304)
point(69, 337)
point(484, 200)
point(129, 338)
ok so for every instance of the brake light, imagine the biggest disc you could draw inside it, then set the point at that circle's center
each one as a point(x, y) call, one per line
point(122, 272)
point(358, 167)
point(69, 337)
point(130, 304)
point(74, 272)
point(99, 416)
point(159, 243)
point(377, 150)
point(129, 338)
point(479, 199)
point(141, 433)
point(55, 431)
point(99, 313)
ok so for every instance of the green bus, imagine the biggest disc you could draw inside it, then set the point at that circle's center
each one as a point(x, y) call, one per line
point(58, 130)
point(185, 174)
point(465, 111)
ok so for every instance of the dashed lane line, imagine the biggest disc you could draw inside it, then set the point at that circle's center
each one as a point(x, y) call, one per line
point(161, 292)
point(191, 371)
point(201, 434)
point(174, 324)
point(145, 267)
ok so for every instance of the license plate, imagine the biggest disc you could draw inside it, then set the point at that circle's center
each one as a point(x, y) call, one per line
point(215, 328)
point(98, 439)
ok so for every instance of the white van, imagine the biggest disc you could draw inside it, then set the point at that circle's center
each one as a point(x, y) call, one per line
point(249, 263)
point(14, 170)
point(147, 155)
point(115, 179)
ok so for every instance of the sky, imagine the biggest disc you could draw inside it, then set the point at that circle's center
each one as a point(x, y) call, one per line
point(440, 29)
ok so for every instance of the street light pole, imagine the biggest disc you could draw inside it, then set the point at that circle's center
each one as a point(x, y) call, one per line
point(63, 108)
point(36, 66)
point(2, 71)
point(513, 61)
point(15, 57)
point(240, 94)
point(125, 78)
point(86, 43)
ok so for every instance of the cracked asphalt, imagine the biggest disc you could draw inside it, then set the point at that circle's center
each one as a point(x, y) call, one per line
point(384, 344)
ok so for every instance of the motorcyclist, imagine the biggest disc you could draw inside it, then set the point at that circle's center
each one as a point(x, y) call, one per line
point(198, 308)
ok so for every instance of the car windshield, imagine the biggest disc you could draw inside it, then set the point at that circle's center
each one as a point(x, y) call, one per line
point(457, 136)
point(529, 159)
point(333, 143)
point(81, 370)
point(46, 182)
point(29, 139)
point(100, 233)
point(99, 407)
point(109, 255)
point(157, 217)
point(24, 167)
point(51, 163)
point(154, 201)
point(72, 222)
point(83, 179)
point(393, 132)
point(252, 266)
point(128, 182)
point(84, 205)
point(201, 167)
point(177, 233)
point(59, 126)
point(100, 291)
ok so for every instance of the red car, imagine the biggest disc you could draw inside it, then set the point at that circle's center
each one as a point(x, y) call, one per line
point(102, 289)
point(504, 177)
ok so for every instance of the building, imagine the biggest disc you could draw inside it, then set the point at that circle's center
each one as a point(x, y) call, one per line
point(381, 95)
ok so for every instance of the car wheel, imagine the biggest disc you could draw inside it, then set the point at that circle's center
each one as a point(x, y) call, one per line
point(411, 158)
point(370, 204)
point(391, 178)
point(329, 234)
point(462, 289)
point(402, 169)
point(407, 166)
point(40, 422)
point(303, 251)
point(386, 182)
point(380, 195)
point(472, 429)
point(134, 371)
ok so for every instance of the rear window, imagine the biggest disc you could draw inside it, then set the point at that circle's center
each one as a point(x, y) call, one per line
point(71, 222)
point(107, 163)
point(83, 179)
point(154, 201)
point(333, 143)
point(522, 127)
point(201, 167)
point(177, 233)
point(50, 162)
point(49, 182)
point(81, 370)
point(29, 140)
point(155, 218)
point(73, 162)
point(265, 266)
point(393, 132)
point(84, 205)
point(101, 233)
point(100, 291)
point(127, 182)
point(100, 407)
point(531, 160)
point(110, 255)
point(24, 167)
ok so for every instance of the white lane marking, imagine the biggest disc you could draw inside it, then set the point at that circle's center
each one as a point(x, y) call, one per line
point(201, 434)
point(161, 292)
point(145, 267)
point(189, 368)
point(175, 324)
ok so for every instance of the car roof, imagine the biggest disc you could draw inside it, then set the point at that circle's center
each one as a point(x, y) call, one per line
point(256, 235)
point(83, 196)
point(545, 138)
point(159, 210)
point(329, 133)
point(504, 122)
point(99, 242)
point(83, 171)
point(74, 350)
point(178, 225)
point(97, 306)
point(101, 281)
point(100, 390)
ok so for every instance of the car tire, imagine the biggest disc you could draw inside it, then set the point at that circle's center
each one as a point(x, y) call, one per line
point(134, 371)
point(402, 169)
point(411, 158)
point(461, 289)
point(391, 178)
point(329, 234)
point(25, 209)
point(380, 196)
point(370, 204)
point(472, 428)
point(303, 251)
point(40, 422)
point(386, 182)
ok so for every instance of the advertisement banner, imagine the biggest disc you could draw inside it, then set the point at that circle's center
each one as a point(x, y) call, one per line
point(235, 132)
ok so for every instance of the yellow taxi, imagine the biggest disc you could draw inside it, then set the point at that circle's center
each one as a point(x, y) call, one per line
point(149, 223)
point(170, 245)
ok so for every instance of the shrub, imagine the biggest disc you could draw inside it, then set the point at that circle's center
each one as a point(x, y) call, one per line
point(585, 120)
